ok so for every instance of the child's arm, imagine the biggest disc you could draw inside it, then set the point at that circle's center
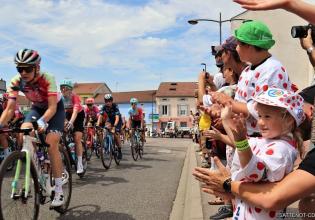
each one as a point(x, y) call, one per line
point(226, 116)
point(239, 133)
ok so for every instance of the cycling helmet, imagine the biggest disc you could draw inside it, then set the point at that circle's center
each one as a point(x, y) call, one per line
point(89, 101)
point(66, 82)
point(133, 101)
point(27, 57)
point(108, 97)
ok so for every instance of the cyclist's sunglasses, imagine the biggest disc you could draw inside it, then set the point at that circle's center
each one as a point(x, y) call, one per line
point(65, 88)
point(107, 100)
point(27, 69)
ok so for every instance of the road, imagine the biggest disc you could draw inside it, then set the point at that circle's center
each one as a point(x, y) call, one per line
point(143, 189)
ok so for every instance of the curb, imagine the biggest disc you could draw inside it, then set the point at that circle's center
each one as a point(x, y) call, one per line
point(187, 204)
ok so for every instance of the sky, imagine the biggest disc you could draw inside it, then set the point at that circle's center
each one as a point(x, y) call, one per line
point(128, 44)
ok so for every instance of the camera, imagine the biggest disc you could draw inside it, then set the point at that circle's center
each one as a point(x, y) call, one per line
point(302, 31)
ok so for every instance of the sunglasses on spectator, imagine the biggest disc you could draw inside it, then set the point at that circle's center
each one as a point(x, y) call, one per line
point(27, 69)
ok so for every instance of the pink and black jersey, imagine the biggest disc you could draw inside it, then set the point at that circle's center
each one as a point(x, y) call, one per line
point(92, 113)
point(73, 102)
point(37, 92)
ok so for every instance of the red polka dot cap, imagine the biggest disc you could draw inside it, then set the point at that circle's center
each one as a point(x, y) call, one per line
point(291, 101)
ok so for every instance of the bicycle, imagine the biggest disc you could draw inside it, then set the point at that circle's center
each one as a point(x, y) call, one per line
point(68, 142)
point(109, 149)
point(90, 140)
point(30, 187)
point(137, 145)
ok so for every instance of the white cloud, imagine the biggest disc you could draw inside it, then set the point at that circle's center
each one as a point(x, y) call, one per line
point(141, 42)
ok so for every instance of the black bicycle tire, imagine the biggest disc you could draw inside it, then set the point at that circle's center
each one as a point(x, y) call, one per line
point(10, 159)
point(134, 152)
point(106, 166)
point(62, 209)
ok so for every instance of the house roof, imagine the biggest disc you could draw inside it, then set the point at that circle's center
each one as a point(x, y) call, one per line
point(177, 89)
point(87, 88)
point(124, 97)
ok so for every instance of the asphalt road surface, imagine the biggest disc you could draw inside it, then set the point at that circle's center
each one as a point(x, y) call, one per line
point(143, 189)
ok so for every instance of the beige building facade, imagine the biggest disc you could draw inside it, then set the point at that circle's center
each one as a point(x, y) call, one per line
point(174, 101)
point(287, 49)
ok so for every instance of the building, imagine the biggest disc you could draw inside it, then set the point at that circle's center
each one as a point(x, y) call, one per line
point(3, 87)
point(146, 101)
point(174, 101)
point(90, 90)
point(287, 49)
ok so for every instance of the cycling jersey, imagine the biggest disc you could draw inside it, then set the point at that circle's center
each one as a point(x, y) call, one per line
point(110, 112)
point(37, 92)
point(73, 102)
point(135, 114)
point(92, 113)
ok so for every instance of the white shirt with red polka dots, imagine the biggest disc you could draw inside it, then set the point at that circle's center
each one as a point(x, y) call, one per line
point(270, 73)
point(272, 160)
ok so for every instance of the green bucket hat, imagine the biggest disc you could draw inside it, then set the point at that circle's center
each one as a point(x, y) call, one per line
point(255, 33)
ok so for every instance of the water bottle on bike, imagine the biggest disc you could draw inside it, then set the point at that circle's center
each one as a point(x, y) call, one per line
point(72, 150)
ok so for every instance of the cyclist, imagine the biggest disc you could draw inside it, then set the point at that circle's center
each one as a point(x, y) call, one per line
point(135, 118)
point(110, 113)
point(74, 118)
point(91, 112)
point(18, 116)
point(47, 107)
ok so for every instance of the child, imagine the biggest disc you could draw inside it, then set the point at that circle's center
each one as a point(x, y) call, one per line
point(254, 40)
point(272, 156)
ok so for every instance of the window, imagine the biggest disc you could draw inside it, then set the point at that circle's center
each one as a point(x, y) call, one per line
point(182, 99)
point(164, 100)
point(182, 110)
point(164, 110)
point(183, 124)
point(173, 89)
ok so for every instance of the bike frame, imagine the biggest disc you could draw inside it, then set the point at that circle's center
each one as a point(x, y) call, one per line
point(111, 138)
point(30, 155)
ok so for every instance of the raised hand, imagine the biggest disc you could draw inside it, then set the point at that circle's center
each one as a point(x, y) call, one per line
point(263, 4)
point(239, 129)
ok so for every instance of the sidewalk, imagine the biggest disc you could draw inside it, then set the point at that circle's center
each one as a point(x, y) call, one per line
point(187, 204)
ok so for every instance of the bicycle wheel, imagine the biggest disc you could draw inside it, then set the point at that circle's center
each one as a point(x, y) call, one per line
point(134, 151)
point(18, 207)
point(67, 185)
point(140, 149)
point(88, 140)
point(115, 153)
point(97, 147)
point(106, 152)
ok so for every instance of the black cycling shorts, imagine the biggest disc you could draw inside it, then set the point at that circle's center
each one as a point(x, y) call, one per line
point(135, 124)
point(78, 122)
point(56, 123)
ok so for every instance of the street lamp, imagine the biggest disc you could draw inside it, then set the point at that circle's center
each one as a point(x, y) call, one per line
point(220, 21)
point(205, 69)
